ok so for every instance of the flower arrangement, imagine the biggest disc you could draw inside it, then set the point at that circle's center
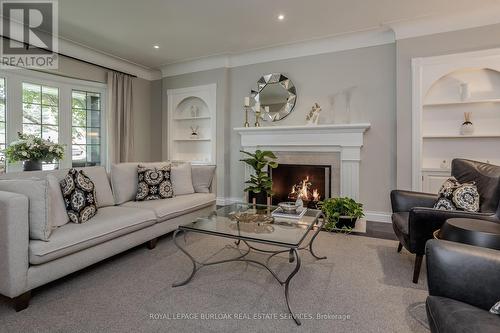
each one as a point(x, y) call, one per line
point(33, 148)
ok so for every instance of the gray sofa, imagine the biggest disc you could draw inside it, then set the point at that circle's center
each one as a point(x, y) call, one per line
point(120, 224)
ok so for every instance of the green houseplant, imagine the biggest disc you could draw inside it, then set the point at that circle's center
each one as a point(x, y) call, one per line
point(341, 213)
point(260, 185)
point(32, 151)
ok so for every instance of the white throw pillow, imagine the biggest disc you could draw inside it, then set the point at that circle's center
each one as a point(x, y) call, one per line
point(182, 180)
point(58, 214)
point(202, 177)
point(100, 179)
point(39, 204)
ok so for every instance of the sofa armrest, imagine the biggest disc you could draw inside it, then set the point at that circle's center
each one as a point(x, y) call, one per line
point(14, 240)
point(465, 273)
point(403, 201)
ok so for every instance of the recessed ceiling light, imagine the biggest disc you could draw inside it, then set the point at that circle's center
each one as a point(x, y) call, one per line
point(156, 46)
point(281, 17)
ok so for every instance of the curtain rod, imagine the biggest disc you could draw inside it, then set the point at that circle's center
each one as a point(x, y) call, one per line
point(68, 56)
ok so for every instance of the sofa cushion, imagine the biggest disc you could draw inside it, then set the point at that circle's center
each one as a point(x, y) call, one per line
point(109, 223)
point(202, 177)
point(450, 316)
point(182, 180)
point(169, 208)
point(102, 186)
point(124, 180)
point(58, 215)
point(39, 204)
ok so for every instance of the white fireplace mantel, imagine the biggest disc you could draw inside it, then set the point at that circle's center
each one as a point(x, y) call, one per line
point(347, 139)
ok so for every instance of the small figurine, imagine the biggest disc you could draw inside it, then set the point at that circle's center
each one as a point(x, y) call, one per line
point(313, 115)
point(467, 126)
point(194, 111)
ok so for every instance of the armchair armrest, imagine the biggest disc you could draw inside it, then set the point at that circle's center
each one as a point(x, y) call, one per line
point(463, 272)
point(424, 221)
point(14, 239)
point(403, 201)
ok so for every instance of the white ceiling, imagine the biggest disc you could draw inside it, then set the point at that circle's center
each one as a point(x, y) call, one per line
point(190, 29)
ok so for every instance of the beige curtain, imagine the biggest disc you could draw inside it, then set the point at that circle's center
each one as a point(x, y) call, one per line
point(120, 126)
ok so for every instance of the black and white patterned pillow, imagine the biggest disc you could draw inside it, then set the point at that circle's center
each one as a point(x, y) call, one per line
point(79, 196)
point(456, 196)
point(154, 183)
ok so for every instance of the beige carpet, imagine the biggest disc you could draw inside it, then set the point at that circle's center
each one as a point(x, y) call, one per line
point(363, 286)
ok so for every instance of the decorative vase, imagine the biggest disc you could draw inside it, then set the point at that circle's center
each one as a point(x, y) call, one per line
point(464, 91)
point(467, 127)
point(32, 165)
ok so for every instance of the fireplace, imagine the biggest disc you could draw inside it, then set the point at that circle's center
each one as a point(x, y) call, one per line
point(311, 183)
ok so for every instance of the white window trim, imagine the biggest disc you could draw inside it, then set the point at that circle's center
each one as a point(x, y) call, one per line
point(14, 108)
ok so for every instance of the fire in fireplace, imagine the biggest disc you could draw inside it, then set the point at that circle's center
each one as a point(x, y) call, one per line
point(311, 183)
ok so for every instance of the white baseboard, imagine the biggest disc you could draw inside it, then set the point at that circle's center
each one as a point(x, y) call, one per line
point(378, 216)
point(369, 215)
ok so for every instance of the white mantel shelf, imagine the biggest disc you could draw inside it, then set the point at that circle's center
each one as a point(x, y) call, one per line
point(347, 139)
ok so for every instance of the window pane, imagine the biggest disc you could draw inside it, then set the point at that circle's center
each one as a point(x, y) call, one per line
point(50, 133)
point(50, 96)
point(93, 119)
point(2, 128)
point(79, 155)
point(2, 88)
point(79, 117)
point(93, 101)
point(79, 100)
point(93, 154)
point(32, 114)
point(2, 110)
point(32, 129)
point(93, 135)
point(79, 136)
point(49, 115)
point(31, 93)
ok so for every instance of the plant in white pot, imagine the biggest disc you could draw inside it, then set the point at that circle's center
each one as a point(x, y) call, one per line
point(341, 213)
point(32, 151)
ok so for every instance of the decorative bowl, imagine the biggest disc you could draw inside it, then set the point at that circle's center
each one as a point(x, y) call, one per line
point(288, 207)
point(245, 217)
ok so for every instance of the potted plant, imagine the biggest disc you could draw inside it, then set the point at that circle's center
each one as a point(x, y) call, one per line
point(32, 151)
point(341, 213)
point(260, 185)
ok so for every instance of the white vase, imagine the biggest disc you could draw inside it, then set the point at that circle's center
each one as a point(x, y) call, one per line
point(467, 128)
point(464, 91)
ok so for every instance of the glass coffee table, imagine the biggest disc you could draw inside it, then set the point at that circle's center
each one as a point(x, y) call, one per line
point(289, 235)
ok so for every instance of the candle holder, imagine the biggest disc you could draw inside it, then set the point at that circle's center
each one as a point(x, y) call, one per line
point(257, 117)
point(247, 124)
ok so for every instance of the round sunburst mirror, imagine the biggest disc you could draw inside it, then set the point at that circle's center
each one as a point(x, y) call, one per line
point(275, 92)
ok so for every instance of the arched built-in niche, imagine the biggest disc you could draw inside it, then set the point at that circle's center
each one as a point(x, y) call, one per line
point(191, 109)
point(444, 88)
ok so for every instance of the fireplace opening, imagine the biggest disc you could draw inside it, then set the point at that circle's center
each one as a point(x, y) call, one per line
point(311, 183)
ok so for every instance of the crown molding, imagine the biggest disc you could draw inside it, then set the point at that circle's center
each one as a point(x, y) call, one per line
point(91, 55)
point(434, 24)
point(331, 44)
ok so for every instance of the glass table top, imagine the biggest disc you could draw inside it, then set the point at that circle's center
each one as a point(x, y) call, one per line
point(282, 231)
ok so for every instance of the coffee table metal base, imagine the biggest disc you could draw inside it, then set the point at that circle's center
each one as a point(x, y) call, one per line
point(293, 257)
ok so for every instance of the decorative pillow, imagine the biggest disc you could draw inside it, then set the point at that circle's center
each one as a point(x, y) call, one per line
point(182, 180)
point(202, 177)
point(495, 309)
point(456, 196)
point(58, 214)
point(153, 183)
point(79, 195)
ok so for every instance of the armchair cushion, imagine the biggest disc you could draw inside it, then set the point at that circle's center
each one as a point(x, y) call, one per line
point(453, 195)
point(450, 316)
point(487, 179)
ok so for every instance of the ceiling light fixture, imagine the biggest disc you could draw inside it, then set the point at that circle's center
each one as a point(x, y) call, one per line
point(156, 46)
point(281, 17)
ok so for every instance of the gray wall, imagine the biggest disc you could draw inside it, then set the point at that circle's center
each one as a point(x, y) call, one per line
point(220, 78)
point(445, 43)
point(317, 79)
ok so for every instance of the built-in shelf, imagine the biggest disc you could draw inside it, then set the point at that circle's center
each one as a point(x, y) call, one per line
point(477, 136)
point(191, 118)
point(491, 100)
point(202, 139)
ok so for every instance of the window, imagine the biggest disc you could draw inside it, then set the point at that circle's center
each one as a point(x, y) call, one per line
point(86, 128)
point(41, 111)
point(3, 132)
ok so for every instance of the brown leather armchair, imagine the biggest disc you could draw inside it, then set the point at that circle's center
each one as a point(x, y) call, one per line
point(414, 220)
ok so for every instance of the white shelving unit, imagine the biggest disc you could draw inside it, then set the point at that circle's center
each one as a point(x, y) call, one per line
point(192, 107)
point(441, 115)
